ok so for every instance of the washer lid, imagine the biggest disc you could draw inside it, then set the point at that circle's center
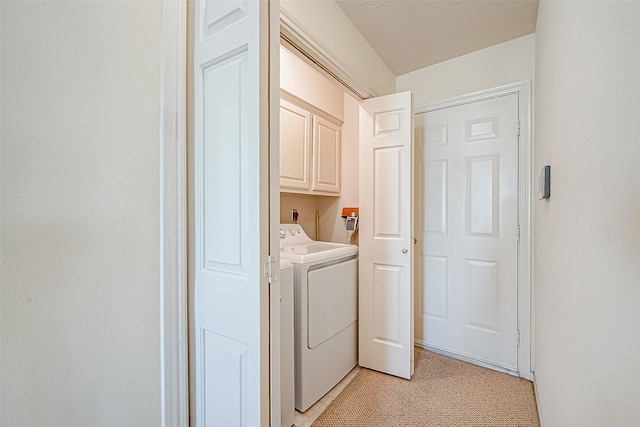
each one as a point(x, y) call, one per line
point(316, 251)
point(298, 248)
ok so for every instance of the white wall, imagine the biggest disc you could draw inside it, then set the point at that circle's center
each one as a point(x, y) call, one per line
point(80, 209)
point(330, 27)
point(332, 226)
point(306, 205)
point(300, 79)
point(505, 63)
point(587, 235)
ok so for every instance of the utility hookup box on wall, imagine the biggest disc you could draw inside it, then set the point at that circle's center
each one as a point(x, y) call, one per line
point(350, 212)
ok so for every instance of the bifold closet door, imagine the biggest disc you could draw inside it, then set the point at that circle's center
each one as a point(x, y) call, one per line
point(386, 240)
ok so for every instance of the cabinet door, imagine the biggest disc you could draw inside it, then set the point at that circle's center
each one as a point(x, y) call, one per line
point(326, 156)
point(295, 146)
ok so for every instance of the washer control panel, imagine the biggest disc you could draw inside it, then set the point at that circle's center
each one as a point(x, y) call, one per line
point(292, 234)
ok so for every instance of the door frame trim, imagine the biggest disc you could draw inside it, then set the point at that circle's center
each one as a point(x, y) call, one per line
point(525, 179)
point(174, 375)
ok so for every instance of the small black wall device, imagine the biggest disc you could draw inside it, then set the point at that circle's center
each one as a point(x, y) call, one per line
point(544, 188)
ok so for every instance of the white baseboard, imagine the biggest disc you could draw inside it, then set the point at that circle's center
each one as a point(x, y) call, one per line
point(535, 391)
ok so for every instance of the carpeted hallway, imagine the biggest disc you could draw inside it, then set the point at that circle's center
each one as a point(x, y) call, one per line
point(442, 392)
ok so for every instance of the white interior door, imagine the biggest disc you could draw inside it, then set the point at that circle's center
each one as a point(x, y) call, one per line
point(468, 233)
point(231, 229)
point(386, 240)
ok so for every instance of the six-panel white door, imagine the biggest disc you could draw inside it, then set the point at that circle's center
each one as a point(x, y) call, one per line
point(231, 229)
point(386, 240)
point(466, 271)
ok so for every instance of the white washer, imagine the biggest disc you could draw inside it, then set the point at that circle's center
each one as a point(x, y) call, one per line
point(326, 312)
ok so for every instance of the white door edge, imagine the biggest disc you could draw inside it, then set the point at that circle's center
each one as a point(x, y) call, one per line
point(275, 369)
point(174, 380)
point(523, 90)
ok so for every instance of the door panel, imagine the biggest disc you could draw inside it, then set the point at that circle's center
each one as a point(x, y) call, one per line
point(226, 362)
point(435, 190)
point(434, 301)
point(387, 192)
point(221, 89)
point(386, 247)
point(482, 196)
point(467, 159)
point(387, 304)
point(231, 232)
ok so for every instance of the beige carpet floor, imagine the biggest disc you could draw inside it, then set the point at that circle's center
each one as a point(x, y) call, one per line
point(442, 392)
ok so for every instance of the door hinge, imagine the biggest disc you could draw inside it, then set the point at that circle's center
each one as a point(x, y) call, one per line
point(518, 127)
point(271, 268)
point(518, 232)
point(518, 337)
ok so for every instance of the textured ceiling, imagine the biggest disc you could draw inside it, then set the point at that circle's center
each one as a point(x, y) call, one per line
point(411, 34)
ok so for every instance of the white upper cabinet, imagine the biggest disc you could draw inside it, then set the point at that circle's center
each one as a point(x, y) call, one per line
point(326, 156)
point(295, 146)
point(309, 149)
